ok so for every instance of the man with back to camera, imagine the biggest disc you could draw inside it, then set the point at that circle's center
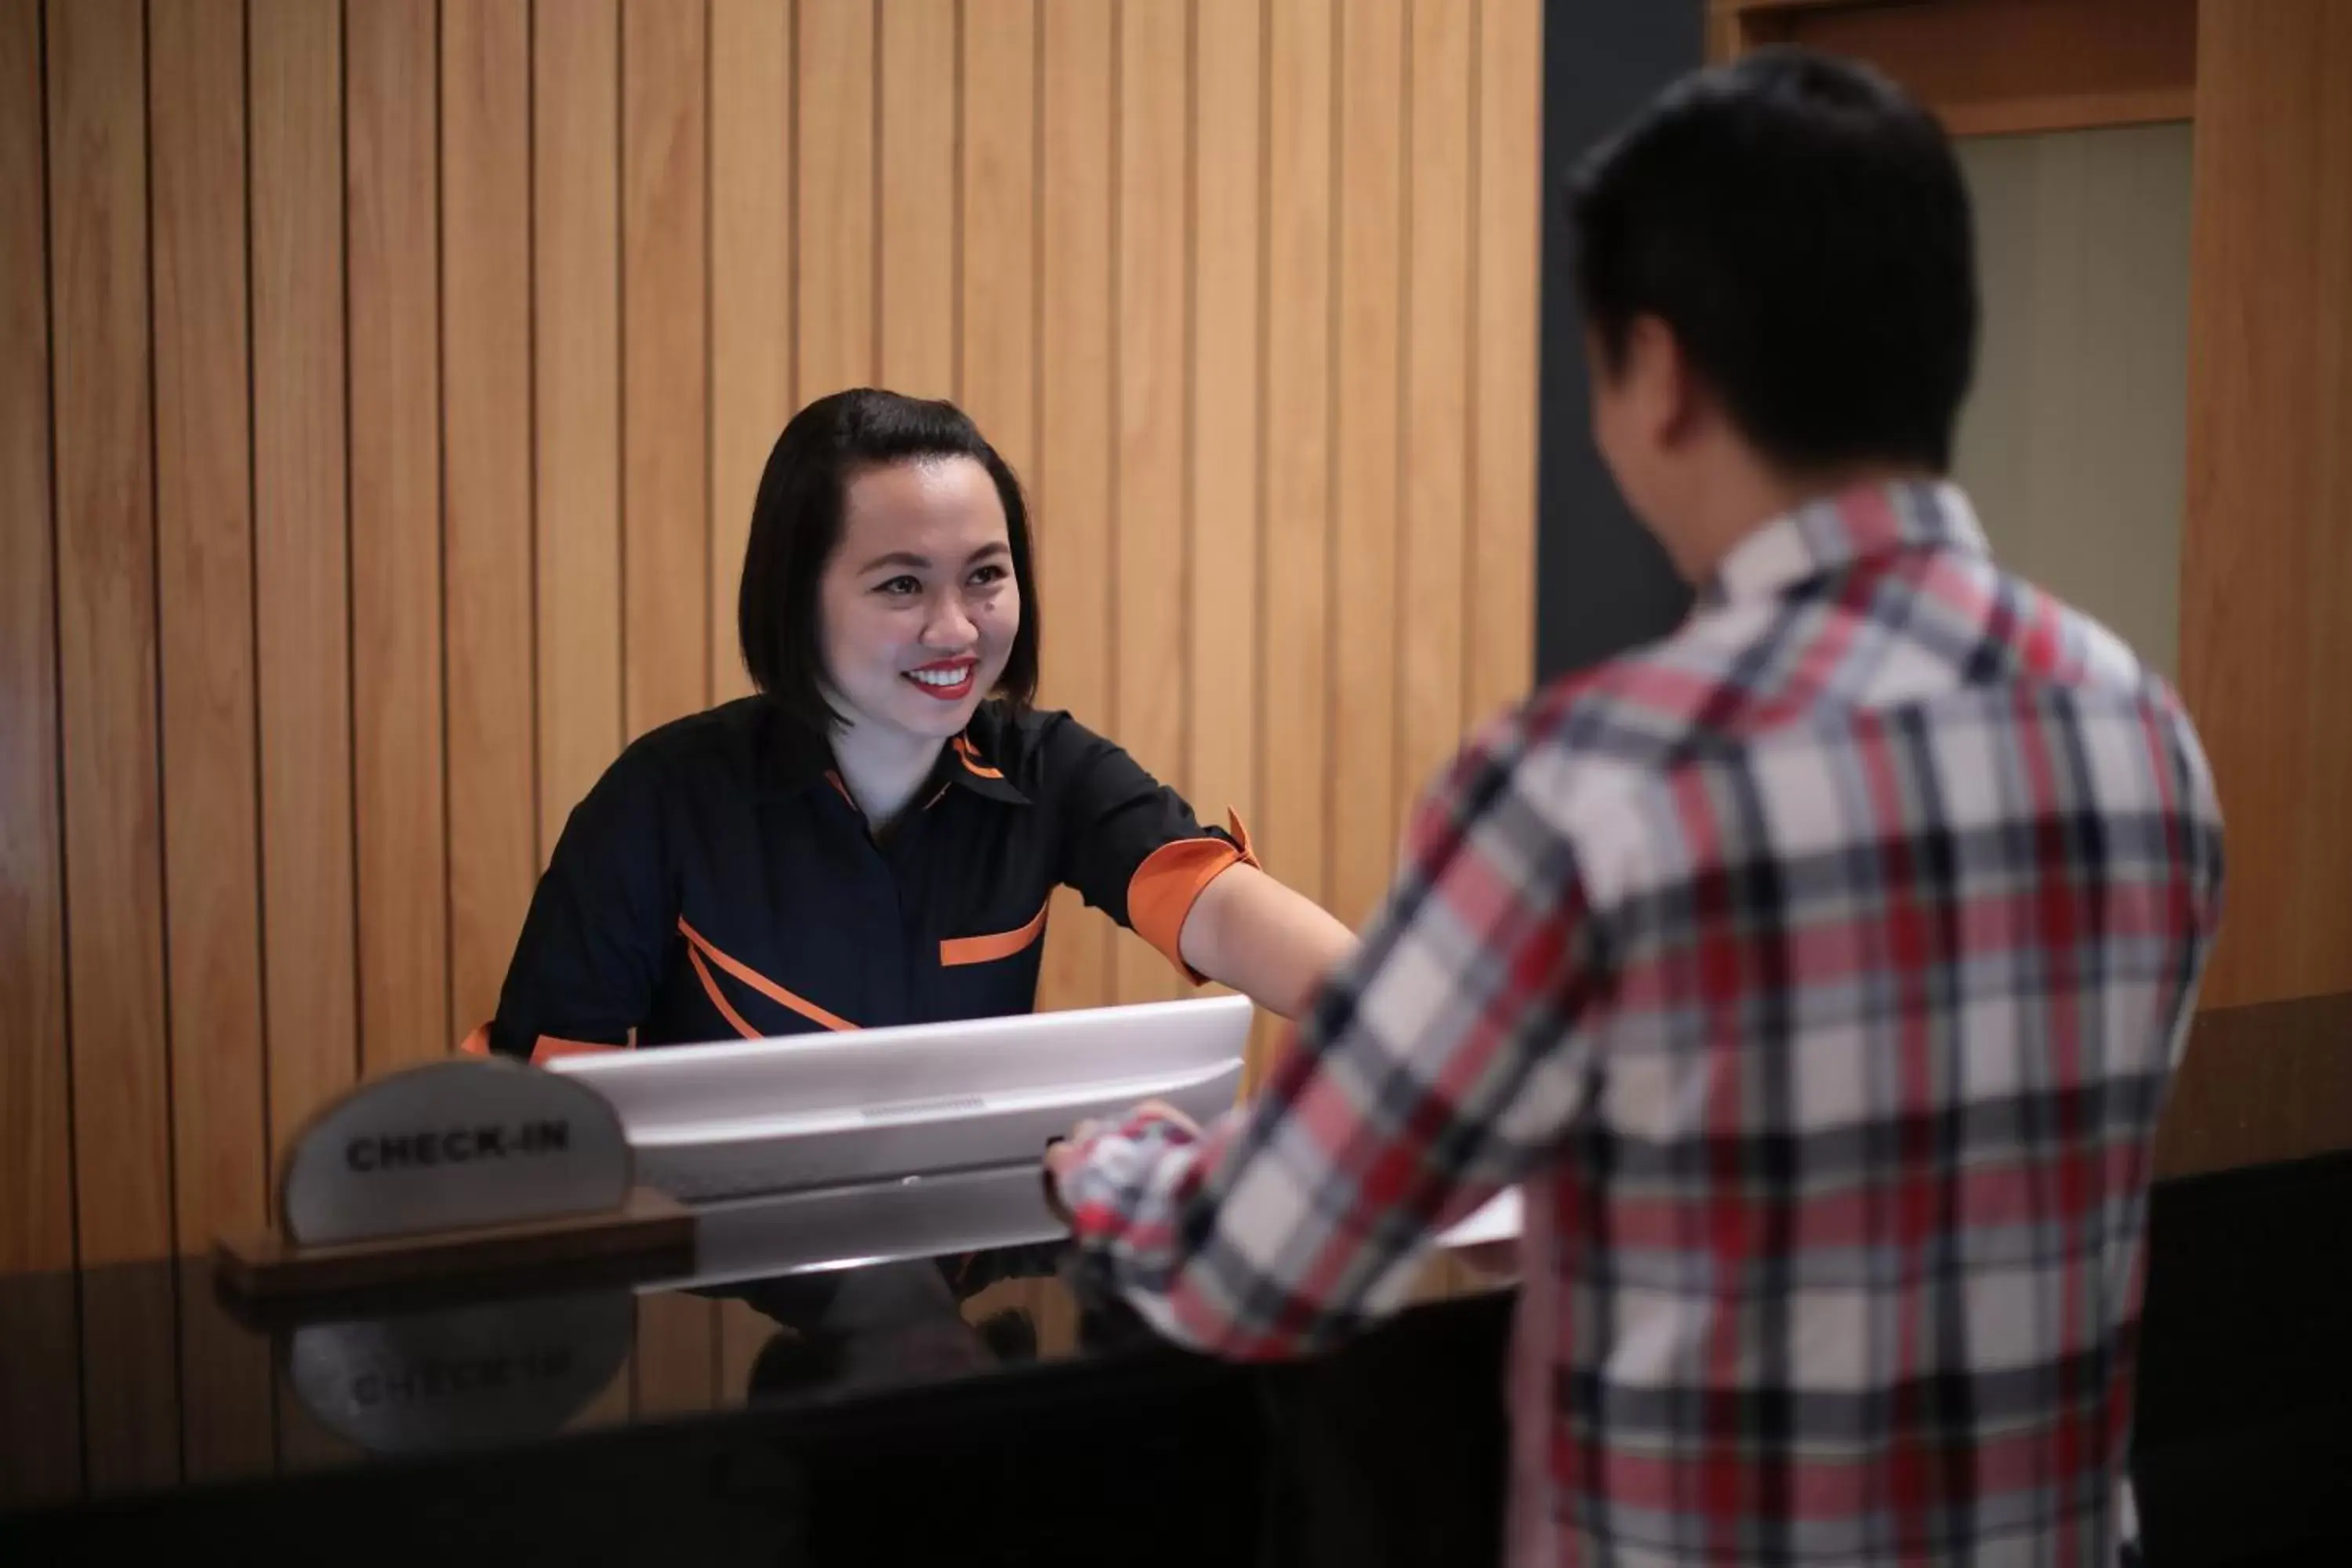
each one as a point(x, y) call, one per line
point(1819, 971)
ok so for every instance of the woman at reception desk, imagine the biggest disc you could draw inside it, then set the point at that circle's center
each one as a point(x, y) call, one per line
point(875, 837)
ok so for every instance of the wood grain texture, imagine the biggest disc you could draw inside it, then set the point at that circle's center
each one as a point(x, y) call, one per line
point(1999, 67)
point(106, 628)
point(665, 403)
point(2266, 557)
point(677, 1362)
point(301, 562)
point(1365, 605)
point(204, 544)
point(834, 220)
point(750, 292)
point(1154, 322)
point(1226, 463)
point(486, 357)
point(743, 1332)
point(1508, 262)
point(997, 270)
point(1432, 626)
point(37, 1205)
point(398, 719)
point(1073, 481)
point(917, 111)
point(576, 393)
point(2268, 1081)
point(1302, 131)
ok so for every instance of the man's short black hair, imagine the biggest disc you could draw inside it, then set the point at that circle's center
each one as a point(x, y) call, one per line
point(1801, 226)
point(796, 523)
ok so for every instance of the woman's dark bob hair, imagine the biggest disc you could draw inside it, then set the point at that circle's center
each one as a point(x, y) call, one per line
point(796, 526)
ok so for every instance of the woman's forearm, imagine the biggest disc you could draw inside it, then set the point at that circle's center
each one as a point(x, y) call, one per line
point(1275, 946)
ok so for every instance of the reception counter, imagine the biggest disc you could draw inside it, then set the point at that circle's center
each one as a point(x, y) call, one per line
point(966, 1396)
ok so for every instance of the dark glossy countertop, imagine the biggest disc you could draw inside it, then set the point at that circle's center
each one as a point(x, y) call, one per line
point(122, 1386)
point(918, 1372)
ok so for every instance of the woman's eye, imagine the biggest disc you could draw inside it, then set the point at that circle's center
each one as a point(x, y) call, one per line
point(899, 587)
point(987, 575)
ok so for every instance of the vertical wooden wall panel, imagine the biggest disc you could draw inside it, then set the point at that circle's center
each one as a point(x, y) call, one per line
point(833, 232)
point(107, 644)
point(917, 115)
point(1073, 481)
point(1365, 662)
point(2266, 555)
point(203, 529)
point(1507, 211)
point(997, 270)
point(36, 1219)
point(1435, 487)
point(576, 391)
point(1154, 428)
point(397, 722)
point(40, 1395)
point(486, 530)
point(301, 565)
point(751, 291)
point(1227, 461)
point(106, 626)
point(1301, 151)
point(664, 406)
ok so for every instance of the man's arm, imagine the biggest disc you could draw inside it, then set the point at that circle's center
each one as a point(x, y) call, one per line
point(1446, 1059)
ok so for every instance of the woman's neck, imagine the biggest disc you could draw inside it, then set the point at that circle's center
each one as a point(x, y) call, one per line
point(882, 769)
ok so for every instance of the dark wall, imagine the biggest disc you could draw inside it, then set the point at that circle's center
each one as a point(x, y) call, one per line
point(1602, 585)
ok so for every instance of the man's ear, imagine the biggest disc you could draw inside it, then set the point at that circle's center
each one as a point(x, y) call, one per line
point(1680, 401)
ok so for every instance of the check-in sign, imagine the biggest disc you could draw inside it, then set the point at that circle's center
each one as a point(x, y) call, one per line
point(450, 1145)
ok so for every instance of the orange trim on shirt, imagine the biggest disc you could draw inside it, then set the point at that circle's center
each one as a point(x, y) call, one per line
point(757, 982)
point(1161, 894)
point(970, 755)
point(546, 1048)
point(988, 949)
point(711, 989)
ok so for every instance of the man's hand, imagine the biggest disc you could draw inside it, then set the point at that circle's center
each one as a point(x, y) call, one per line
point(1063, 1154)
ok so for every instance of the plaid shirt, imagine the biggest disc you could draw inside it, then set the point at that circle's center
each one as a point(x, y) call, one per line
point(1818, 972)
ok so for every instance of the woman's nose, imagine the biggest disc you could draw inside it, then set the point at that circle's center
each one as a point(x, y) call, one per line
point(950, 625)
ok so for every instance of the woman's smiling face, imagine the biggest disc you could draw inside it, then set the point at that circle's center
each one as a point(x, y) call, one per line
point(918, 602)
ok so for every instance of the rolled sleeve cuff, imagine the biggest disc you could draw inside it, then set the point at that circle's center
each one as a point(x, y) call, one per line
point(1160, 895)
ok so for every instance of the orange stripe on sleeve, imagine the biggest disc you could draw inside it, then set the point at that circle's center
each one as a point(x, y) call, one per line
point(1165, 887)
point(988, 949)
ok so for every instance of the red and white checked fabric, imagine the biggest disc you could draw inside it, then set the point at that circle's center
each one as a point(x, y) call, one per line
point(1818, 973)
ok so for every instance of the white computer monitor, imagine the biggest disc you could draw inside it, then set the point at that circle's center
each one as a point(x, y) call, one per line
point(750, 1118)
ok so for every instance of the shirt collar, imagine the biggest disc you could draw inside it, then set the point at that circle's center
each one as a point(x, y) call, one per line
point(1838, 531)
point(794, 758)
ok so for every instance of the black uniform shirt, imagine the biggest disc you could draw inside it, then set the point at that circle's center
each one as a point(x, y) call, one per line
point(718, 882)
